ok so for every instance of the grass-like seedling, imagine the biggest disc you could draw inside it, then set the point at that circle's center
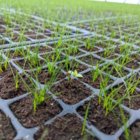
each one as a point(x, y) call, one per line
point(132, 83)
point(1, 59)
point(108, 100)
point(6, 63)
point(104, 33)
point(70, 64)
point(51, 67)
point(86, 114)
point(16, 77)
point(95, 73)
point(40, 94)
point(123, 61)
point(16, 80)
point(72, 49)
point(34, 60)
point(89, 44)
point(67, 63)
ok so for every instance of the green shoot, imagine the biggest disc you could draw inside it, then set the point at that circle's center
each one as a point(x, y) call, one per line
point(75, 74)
point(86, 114)
point(95, 73)
point(16, 80)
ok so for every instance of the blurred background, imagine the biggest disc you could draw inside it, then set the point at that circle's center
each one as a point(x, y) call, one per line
point(122, 1)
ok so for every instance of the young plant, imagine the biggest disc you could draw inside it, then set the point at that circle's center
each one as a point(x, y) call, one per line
point(16, 80)
point(75, 74)
point(86, 114)
point(90, 43)
point(1, 58)
point(41, 94)
point(16, 77)
point(95, 73)
point(107, 52)
point(67, 62)
point(6, 63)
point(51, 67)
point(108, 99)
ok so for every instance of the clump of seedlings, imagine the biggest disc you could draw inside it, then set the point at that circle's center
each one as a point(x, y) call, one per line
point(66, 33)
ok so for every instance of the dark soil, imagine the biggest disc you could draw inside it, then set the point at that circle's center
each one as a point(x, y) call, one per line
point(76, 32)
point(90, 49)
point(88, 78)
point(44, 31)
point(52, 56)
point(7, 131)
point(18, 39)
point(2, 42)
point(63, 46)
point(124, 51)
point(26, 65)
point(24, 111)
point(36, 29)
point(52, 35)
point(72, 93)
point(37, 37)
point(2, 30)
point(1, 27)
point(138, 44)
point(107, 56)
point(101, 45)
point(40, 49)
point(111, 43)
point(1, 59)
point(130, 64)
point(73, 65)
point(116, 73)
point(65, 33)
point(129, 40)
point(132, 100)
point(15, 29)
point(135, 57)
point(135, 79)
point(10, 35)
point(91, 60)
point(29, 33)
point(73, 53)
point(134, 132)
point(96, 116)
point(6, 72)
point(44, 76)
point(8, 88)
point(114, 36)
point(73, 42)
point(11, 54)
point(68, 127)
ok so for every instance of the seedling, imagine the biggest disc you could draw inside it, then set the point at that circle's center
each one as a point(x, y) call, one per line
point(75, 74)
point(16, 80)
point(86, 114)
point(107, 52)
point(40, 94)
point(95, 73)
point(5, 63)
point(1, 58)
point(67, 63)
point(16, 77)
point(73, 49)
point(108, 99)
point(51, 67)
